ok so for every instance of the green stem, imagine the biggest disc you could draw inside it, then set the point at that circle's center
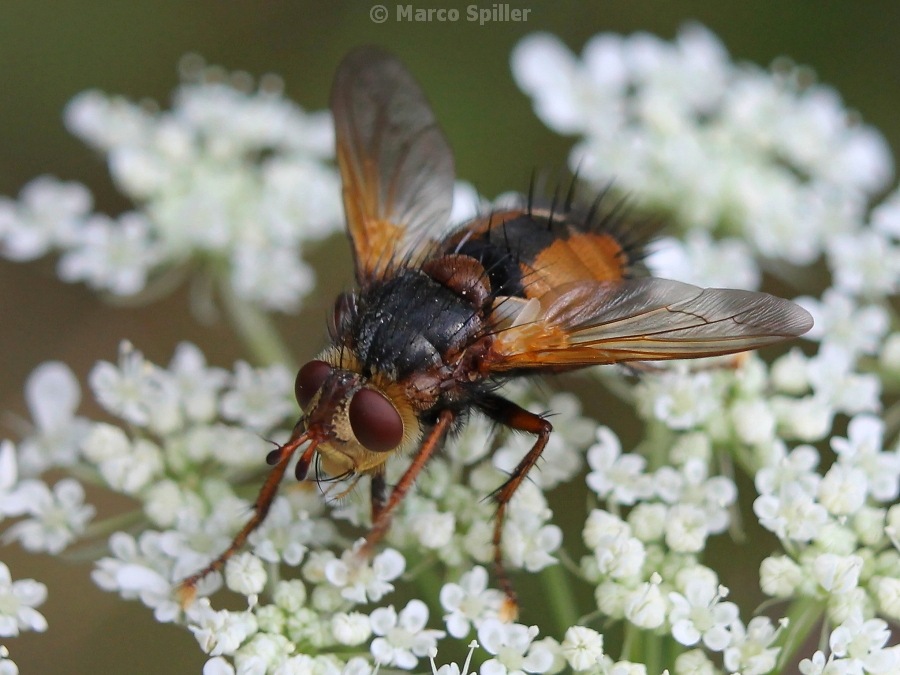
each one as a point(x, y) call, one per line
point(560, 597)
point(425, 574)
point(652, 655)
point(631, 643)
point(107, 526)
point(802, 617)
point(255, 329)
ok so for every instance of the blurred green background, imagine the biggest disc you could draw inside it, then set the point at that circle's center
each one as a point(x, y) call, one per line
point(49, 51)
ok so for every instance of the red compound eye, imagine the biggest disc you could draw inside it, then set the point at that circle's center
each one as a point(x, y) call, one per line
point(309, 380)
point(375, 421)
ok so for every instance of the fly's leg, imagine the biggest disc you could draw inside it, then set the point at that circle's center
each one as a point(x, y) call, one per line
point(514, 417)
point(382, 511)
point(280, 457)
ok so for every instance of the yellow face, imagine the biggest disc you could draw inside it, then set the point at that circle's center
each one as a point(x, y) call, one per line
point(359, 423)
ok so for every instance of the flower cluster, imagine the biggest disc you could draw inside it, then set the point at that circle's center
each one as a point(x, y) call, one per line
point(762, 171)
point(231, 181)
point(768, 157)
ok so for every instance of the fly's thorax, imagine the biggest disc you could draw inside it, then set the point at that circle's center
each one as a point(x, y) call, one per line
point(359, 421)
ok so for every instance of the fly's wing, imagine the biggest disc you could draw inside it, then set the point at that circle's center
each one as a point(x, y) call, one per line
point(592, 322)
point(396, 166)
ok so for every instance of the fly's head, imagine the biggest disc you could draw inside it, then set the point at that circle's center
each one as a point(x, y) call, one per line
point(355, 423)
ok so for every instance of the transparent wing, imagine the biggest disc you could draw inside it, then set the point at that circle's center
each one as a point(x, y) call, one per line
point(396, 166)
point(589, 322)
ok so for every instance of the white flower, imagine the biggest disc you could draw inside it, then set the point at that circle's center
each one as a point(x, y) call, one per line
point(582, 647)
point(198, 385)
point(115, 256)
point(864, 263)
point(220, 632)
point(546, 69)
point(648, 521)
point(263, 653)
point(701, 502)
point(807, 419)
point(834, 380)
point(679, 398)
point(817, 665)
point(56, 518)
point(780, 577)
point(361, 580)
point(686, 528)
point(511, 645)
point(797, 467)
point(7, 665)
point(840, 320)
point(861, 644)
point(693, 662)
point(291, 527)
point(646, 606)
point(218, 666)
point(792, 514)
point(259, 398)
point(228, 171)
point(862, 449)
point(126, 389)
point(351, 629)
point(52, 395)
point(402, 639)
point(48, 214)
point(289, 596)
point(18, 600)
point(843, 489)
point(750, 652)
point(453, 668)
point(432, 529)
point(754, 421)
point(470, 602)
point(869, 525)
point(720, 145)
point(245, 574)
point(103, 121)
point(700, 614)
point(125, 466)
point(9, 472)
point(704, 261)
point(789, 373)
point(837, 574)
point(617, 553)
point(143, 569)
point(528, 540)
point(615, 476)
point(271, 276)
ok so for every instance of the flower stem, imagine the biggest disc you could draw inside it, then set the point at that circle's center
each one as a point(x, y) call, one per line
point(802, 617)
point(560, 597)
point(652, 655)
point(255, 329)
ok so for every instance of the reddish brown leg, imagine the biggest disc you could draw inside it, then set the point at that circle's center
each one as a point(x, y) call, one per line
point(188, 587)
point(381, 514)
point(515, 417)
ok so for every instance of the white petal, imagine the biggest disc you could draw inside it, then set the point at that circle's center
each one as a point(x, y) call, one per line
point(383, 619)
point(9, 473)
point(414, 616)
point(52, 394)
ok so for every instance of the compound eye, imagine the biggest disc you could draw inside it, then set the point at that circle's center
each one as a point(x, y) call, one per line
point(309, 380)
point(375, 421)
